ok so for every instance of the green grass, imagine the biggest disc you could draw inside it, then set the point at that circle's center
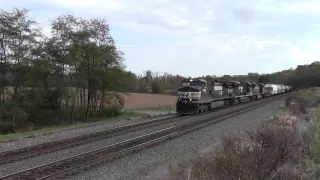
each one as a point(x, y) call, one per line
point(31, 133)
point(164, 108)
point(304, 93)
point(48, 129)
point(127, 115)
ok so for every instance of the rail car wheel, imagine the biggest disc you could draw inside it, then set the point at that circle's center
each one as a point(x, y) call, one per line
point(232, 101)
point(204, 108)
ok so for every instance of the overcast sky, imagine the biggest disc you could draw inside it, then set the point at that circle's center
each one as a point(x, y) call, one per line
point(194, 38)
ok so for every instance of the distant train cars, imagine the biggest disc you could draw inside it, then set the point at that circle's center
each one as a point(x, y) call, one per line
point(196, 95)
point(273, 89)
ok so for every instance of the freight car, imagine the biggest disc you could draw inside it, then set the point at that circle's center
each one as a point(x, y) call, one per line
point(271, 89)
point(196, 95)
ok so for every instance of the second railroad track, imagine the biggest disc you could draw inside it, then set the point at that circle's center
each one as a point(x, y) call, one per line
point(74, 165)
point(21, 153)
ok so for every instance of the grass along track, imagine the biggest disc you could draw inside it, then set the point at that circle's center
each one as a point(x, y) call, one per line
point(48, 130)
point(79, 163)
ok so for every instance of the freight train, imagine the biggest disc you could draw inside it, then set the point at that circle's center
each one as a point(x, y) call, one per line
point(196, 95)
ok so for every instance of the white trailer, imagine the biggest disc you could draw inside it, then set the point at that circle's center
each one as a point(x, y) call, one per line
point(268, 89)
point(275, 89)
point(278, 89)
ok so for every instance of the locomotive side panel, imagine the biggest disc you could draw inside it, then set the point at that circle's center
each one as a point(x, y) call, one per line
point(216, 91)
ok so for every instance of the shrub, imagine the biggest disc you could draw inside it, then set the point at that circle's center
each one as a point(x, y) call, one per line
point(277, 150)
point(316, 143)
point(156, 88)
point(114, 104)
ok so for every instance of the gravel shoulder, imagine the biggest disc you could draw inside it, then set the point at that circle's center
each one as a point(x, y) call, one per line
point(153, 163)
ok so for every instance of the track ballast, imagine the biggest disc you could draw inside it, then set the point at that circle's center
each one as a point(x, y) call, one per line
point(83, 162)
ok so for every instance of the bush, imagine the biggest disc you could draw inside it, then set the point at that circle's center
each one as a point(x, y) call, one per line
point(316, 143)
point(156, 88)
point(114, 104)
point(111, 111)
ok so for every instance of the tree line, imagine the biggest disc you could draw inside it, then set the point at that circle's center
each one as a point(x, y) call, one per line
point(302, 76)
point(66, 77)
point(77, 72)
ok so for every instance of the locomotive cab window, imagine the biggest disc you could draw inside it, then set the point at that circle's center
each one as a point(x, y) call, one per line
point(194, 83)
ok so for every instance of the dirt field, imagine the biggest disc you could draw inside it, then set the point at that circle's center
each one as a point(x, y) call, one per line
point(137, 100)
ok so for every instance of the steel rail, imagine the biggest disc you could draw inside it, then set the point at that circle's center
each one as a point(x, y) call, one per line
point(27, 152)
point(85, 161)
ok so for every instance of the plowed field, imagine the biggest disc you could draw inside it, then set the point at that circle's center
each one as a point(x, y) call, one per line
point(137, 100)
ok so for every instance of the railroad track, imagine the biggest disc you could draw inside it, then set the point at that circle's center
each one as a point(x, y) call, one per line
point(74, 165)
point(26, 152)
point(17, 154)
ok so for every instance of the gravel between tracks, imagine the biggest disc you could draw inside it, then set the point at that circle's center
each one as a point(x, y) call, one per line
point(153, 163)
point(47, 158)
point(65, 133)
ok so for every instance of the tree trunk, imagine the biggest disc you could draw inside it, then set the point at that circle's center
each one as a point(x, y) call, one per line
point(88, 103)
point(84, 96)
point(94, 104)
point(15, 83)
point(102, 100)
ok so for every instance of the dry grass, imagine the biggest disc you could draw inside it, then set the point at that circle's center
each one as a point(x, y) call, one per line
point(316, 145)
point(283, 148)
point(249, 155)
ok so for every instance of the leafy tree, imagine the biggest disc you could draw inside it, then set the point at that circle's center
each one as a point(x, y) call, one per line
point(58, 79)
point(156, 88)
